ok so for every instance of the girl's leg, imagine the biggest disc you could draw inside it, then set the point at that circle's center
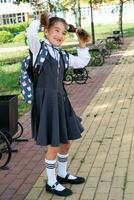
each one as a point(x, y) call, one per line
point(63, 175)
point(52, 185)
point(62, 160)
point(50, 162)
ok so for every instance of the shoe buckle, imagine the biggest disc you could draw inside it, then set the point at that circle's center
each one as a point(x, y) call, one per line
point(54, 186)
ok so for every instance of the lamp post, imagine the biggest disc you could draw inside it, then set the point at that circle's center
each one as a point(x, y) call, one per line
point(92, 23)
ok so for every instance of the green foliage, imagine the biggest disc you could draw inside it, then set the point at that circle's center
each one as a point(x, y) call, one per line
point(112, 45)
point(19, 37)
point(5, 37)
point(8, 31)
point(9, 84)
point(14, 28)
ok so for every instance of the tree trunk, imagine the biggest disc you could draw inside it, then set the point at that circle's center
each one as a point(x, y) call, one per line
point(92, 22)
point(121, 17)
point(79, 13)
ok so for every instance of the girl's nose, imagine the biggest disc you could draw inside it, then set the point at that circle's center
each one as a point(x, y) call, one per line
point(61, 35)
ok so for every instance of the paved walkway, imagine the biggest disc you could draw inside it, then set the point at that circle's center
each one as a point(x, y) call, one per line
point(104, 155)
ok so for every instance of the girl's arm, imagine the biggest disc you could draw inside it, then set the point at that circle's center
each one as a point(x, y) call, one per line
point(81, 60)
point(83, 57)
point(32, 37)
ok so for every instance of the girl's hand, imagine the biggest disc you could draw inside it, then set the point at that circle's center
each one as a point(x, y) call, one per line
point(83, 37)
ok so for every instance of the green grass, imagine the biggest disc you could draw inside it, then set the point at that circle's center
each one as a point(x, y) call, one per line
point(9, 85)
point(12, 44)
point(102, 31)
point(13, 54)
point(12, 57)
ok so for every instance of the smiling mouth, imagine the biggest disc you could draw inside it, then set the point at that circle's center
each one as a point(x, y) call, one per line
point(58, 40)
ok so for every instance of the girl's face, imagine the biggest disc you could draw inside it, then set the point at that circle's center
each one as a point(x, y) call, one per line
point(56, 34)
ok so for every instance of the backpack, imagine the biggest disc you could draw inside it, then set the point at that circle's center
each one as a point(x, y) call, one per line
point(26, 77)
point(29, 73)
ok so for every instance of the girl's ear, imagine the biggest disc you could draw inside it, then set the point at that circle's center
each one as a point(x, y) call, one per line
point(46, 32)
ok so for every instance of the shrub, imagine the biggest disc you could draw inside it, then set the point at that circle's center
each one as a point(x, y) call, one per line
point(14, 28)
point(20, 37)
point(112, 45)
point(5, 37)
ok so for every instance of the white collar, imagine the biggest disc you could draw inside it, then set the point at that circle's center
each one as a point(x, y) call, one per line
point(54, 51)
point(50, 44)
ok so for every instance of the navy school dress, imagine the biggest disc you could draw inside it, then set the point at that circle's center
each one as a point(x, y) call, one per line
point(54, 121)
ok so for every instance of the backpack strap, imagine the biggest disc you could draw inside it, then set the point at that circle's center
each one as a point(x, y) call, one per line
point(44, 52)
point(31, 70)
point(65, 57)
point(41, 55)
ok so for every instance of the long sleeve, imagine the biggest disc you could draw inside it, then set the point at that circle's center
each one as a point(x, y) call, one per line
point(81, 60)
point(32, 37)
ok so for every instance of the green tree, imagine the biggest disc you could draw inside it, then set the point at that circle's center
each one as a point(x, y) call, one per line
point(120, 20)
point(39, 5)
point(75, 6)
point(121, 3)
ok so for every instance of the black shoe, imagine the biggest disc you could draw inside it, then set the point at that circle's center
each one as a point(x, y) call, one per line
point(78, 180)
point(51, 189)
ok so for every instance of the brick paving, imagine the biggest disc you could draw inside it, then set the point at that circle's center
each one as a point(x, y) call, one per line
point(104, 155)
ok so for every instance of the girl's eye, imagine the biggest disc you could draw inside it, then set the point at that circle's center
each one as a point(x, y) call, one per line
point(64, 33)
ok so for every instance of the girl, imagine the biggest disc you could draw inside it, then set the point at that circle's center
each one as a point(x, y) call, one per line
point(54, 122)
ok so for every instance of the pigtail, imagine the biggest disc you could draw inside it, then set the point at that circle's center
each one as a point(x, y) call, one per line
point(44, 20)
point(84, 35)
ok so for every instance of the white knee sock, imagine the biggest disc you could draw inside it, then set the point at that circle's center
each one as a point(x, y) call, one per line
point(50, 170)
point(62, 166)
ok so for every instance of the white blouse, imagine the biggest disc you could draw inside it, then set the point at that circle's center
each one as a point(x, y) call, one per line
point(79, 61)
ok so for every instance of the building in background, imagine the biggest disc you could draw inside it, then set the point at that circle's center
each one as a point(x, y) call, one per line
point(11, 13)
